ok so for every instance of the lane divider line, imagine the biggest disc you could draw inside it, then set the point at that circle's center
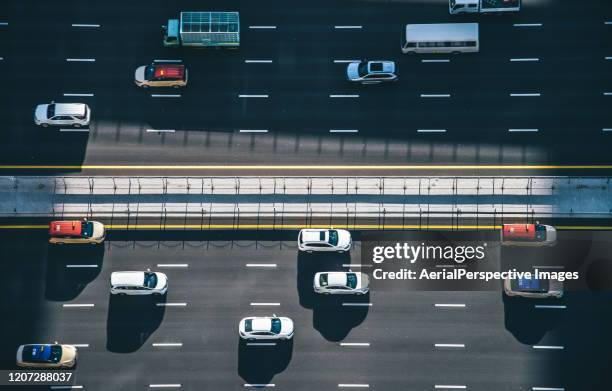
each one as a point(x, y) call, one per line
point(261, 344)
point(66, 387)
point(258, 61)
point(3, 23)
point(81, 59)
point(524, 59)
point(253, 96)
point(74, 130)
point(164, 60)
point(358, 344)
point(166, 344)
point(176, 385)
point(606, 129)
point(343, 131)
point(449, 305)
point(160, 130)
point(348, 27)
point(344, 96)
point(523, 130)
point(552, 347)
point(264, 304)
point(560, 307)
point(172, 265)
point(356, 304)
point(353, 385)
point(431, 130)
point(527, 24)
point(528, 94)
point(449, 387)
point(449, 345)
point(75, 94)
point(345, 61)
point(441, 60)
point(435, 95)
point(547, 389)
point(261, 265)
point(80, 266)
point(258, 385)
point(165, 95)
point(253, 130)
point(171, 304)
point(263, 27)
point(85, 25)
point(78, 305)
point(79, 345)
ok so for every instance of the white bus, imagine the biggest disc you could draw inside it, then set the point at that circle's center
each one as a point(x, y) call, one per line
point(441, 38)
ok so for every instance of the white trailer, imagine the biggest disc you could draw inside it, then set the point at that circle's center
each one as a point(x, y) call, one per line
point(203, 29)
point(482, 6)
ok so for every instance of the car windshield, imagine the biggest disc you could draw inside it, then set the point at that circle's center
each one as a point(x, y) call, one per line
point(276, 325)
point(87, 229)
point(530, 285)
point(351, 280)
point(323, 280)
point(333, 237)
point(42, 353)
point(362, 70)
point(150, 280)
point(540, 233)
point(150, 72)
point(248, 325)
point(50, 110)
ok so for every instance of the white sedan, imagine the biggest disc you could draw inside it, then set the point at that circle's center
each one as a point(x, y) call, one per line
point(266, 328)
point(311, 240)
point(371, 72)
point(341, 283)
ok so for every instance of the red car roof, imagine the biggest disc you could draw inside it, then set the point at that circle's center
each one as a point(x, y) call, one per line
point(169, 71)
point(65, 228)
point(519, 231)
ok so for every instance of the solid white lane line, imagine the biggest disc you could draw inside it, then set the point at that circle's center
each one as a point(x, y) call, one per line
point(171, 304)
point(353, 385)
point(261, 343)
point(66, 387)
point(607, 93)
point(449, 305)
point(606, 129)
point(343, 131)
point(449, 345)
point(525, 94)
point(524, 59)
point(257, 385)
point(81, 59)
point(161, 130)
point(357, 304)
point(74, 94)
point(431, 130)
point(264, 304)
point(176, 385)
point(163, 60)
point(253, 130)
point(253, 96)
point(78, 305)
point(74, 130)
point(165, 95)
point(85, 25)
point(560, 307)
point(435, 95)
point(355, 344)
point(522, 130)
point(441, 60)
point(449, 387)
point(345, 61)
point(262, 27)
point(167, 344)
point(261, 265)
point(79, 345)
point(356, 265)
point(258, 61)
point(553, 347)
point(78, 266)
point(344, 96)
point(609, 58)
point(348, 27)
point(547, 389)
point(608, 22)
point(172, 265)
point(527, 25)
point(3, 23)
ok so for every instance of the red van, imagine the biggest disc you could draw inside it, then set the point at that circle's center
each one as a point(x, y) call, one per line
point(528, 235)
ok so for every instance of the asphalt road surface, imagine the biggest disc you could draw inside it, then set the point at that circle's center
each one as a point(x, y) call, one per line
point(557, 53)
point(396, 339)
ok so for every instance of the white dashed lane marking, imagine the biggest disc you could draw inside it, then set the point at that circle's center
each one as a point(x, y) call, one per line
point(267, 265)
point(551, 347)
point(253, 130)
point(449, 305)
point(76, 94)
point(524, 59)
point(522, 130)
point(263, 27)
point(172, 265)
point(431, 130)
point(81, 59)
point(348, 27)
point(175, 385)
point(85, 25)
point(264, 304)
point(343, 131)
point(528, 25)
point(171, 304)
point(78, 305)
point(258, 61)
point(161, 130)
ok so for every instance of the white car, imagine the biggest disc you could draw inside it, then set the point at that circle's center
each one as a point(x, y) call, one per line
point(311, 240)
point(341, 283)
point(139, 283)
point(46, 356)
point(266, 327)
point(62, 114)
point(533, 288)
point(371, 72)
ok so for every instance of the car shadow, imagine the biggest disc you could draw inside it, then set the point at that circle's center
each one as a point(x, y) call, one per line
point(259, 364)
point(527, 323)
point(335, 316)
point(131, 320)
point(70, 269)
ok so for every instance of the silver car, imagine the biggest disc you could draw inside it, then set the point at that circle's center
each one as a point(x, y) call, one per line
point(321, 240)
point(533, 288)
point(266, 327)
point(341, 283)
point(62, 114)
point(371, 72)
point(138, 283)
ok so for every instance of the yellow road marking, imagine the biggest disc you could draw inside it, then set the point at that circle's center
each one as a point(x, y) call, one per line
point(300, 226)
point(305, 167)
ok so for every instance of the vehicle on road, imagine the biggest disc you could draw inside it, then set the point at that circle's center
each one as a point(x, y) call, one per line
point(482, 6)
point(320, 240)
point(203, 29)
point(534, 235)
point(137, 283)
point(533, 288)
point(161, 75)
point(371, 72)
point(266, 328)
point(441, 38)
point(46, 356)
point(62, 114)
point(341, 283)
point(76, 231)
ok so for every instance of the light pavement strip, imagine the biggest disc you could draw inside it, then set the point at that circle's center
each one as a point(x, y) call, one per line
point(167, 344)
point(608, 22)
point(79, 345)
point(551, 347)
point(544, 306)
point(449, 345)
point(609, 58)
point(253, 96)
point(81, 59)
point(442, 305)
point(85, 25)
point(356, 344)
point(80, 266)
point(264, 304)
point(266, 265)
point(171, 304)
point(3, 23)
point(172, 265)
point(175, 385)
point(78, 305)
point(75, 94)
point(607, 93)
point(607, 129)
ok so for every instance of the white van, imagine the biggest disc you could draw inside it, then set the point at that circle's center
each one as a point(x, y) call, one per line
point(441, 38)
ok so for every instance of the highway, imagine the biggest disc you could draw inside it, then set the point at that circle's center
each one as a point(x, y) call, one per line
point(536, 98)
point(393, 339)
